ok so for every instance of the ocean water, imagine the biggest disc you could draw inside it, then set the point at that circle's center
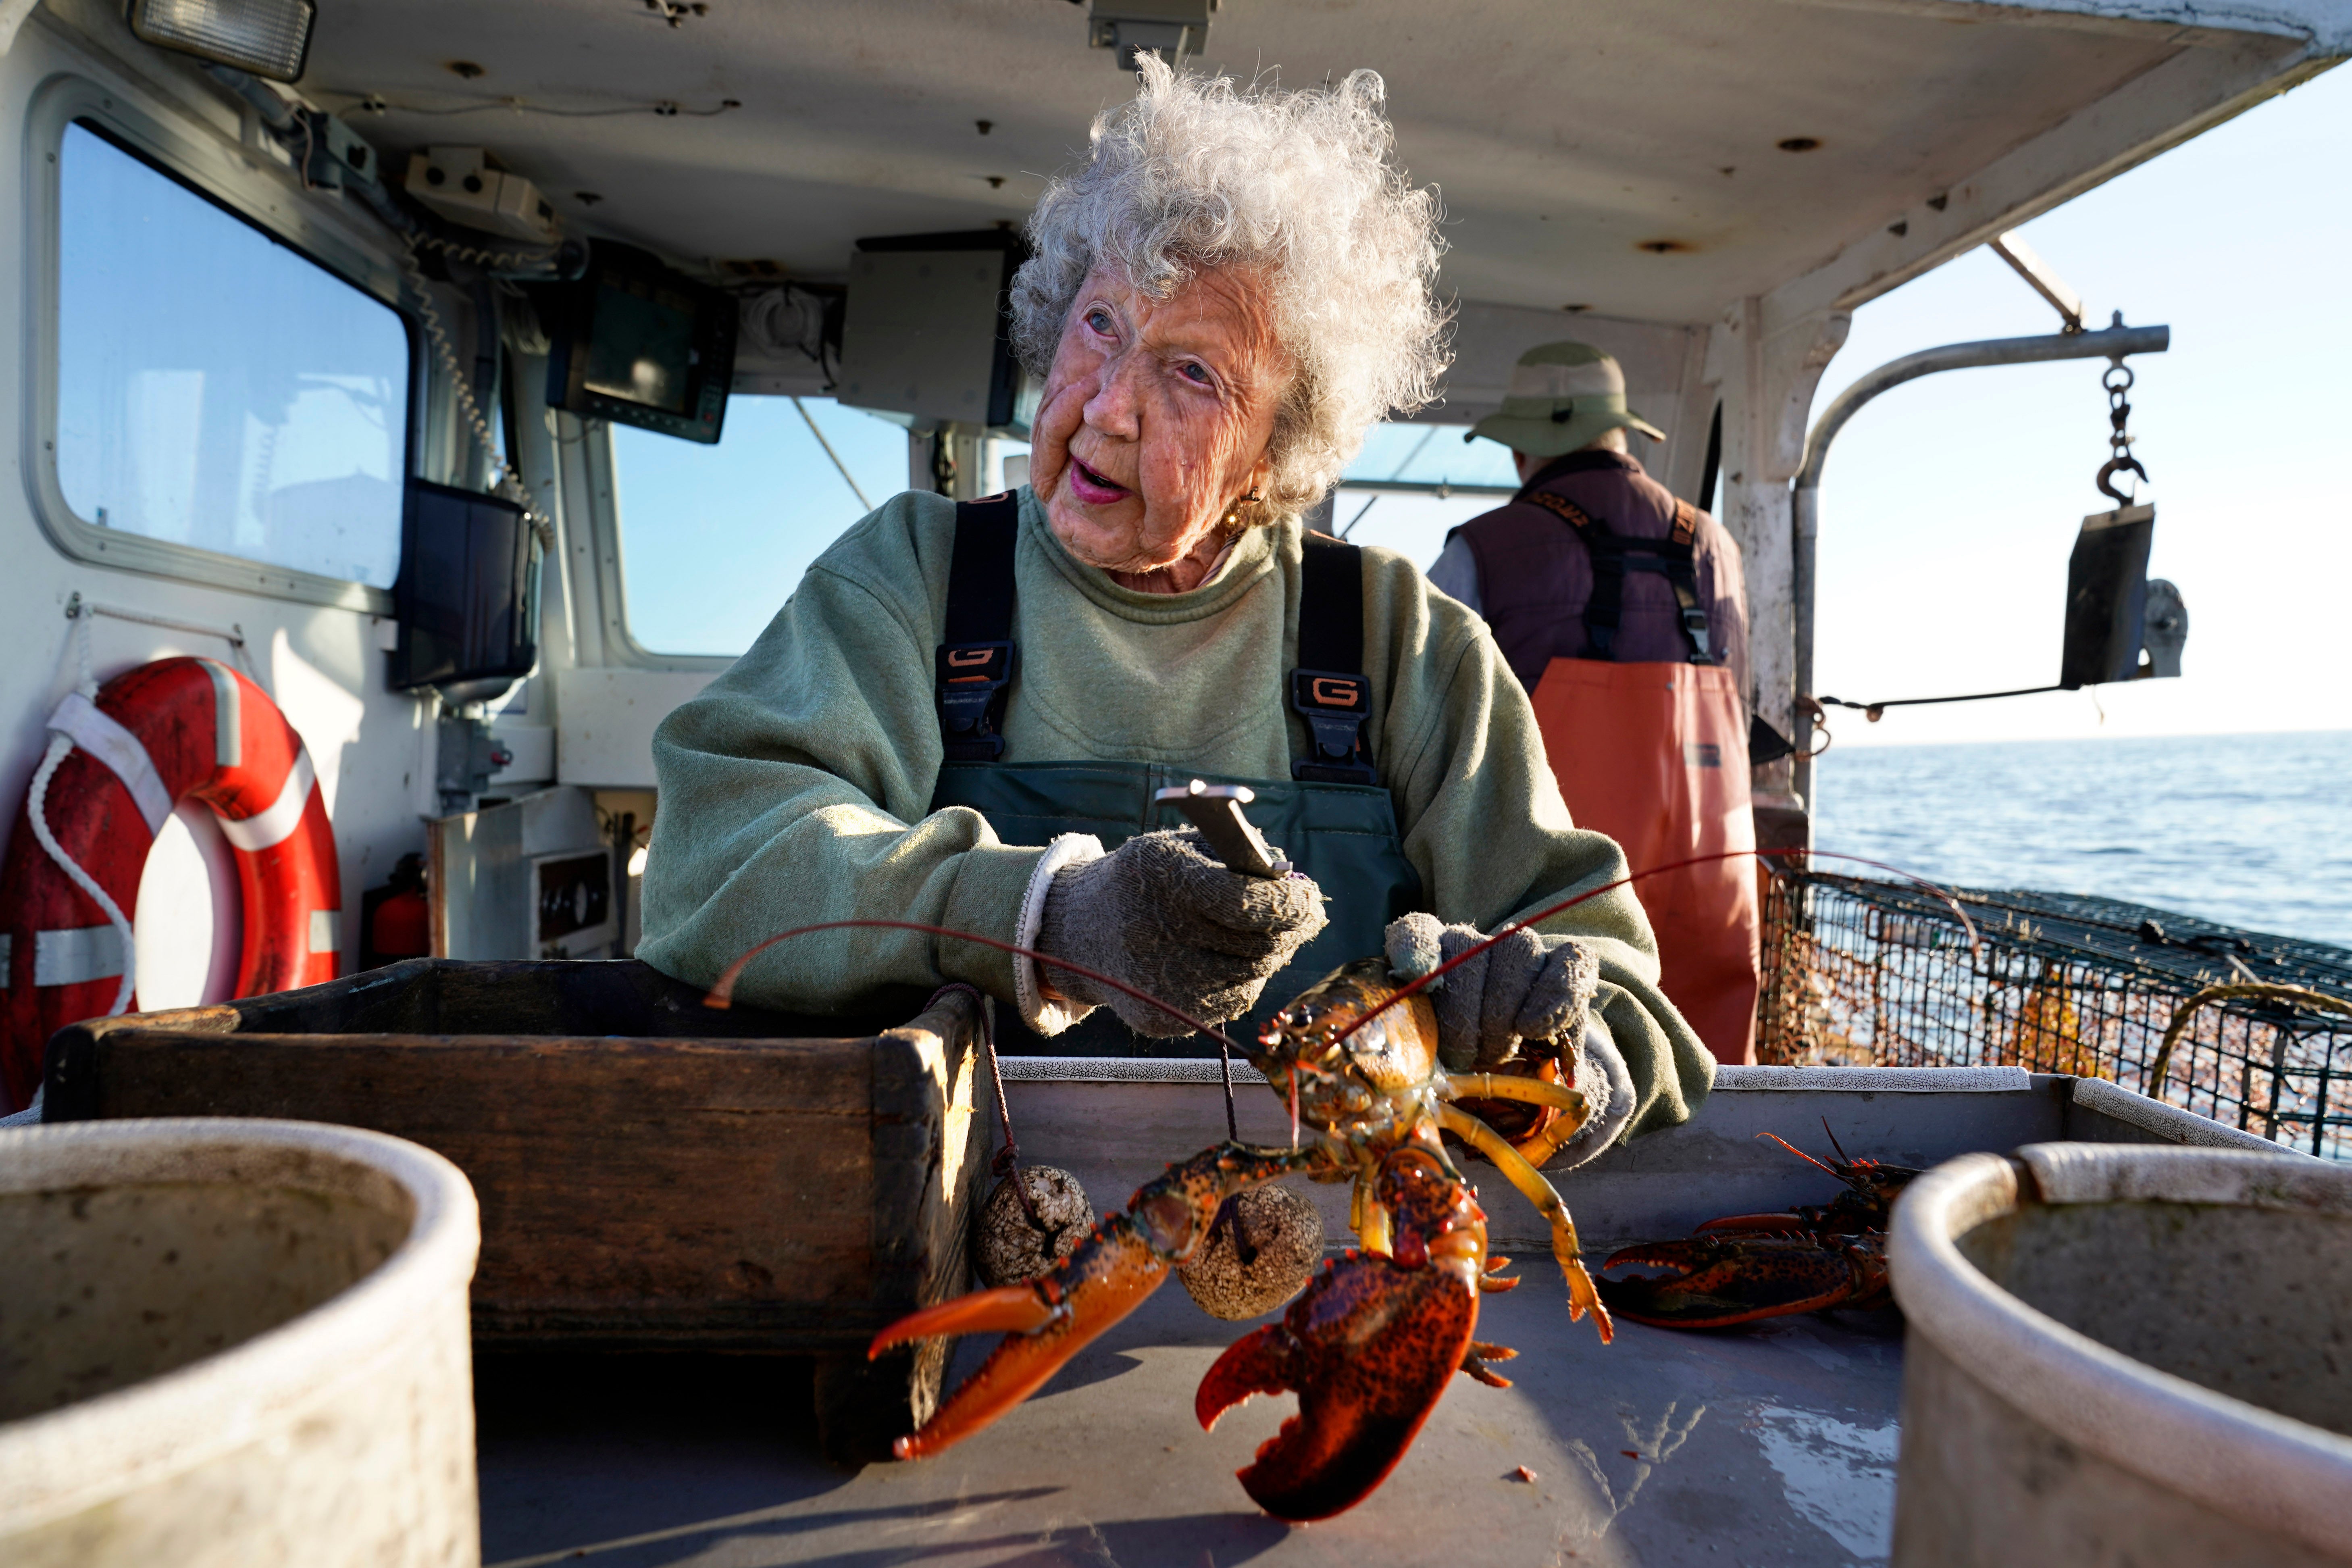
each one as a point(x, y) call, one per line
point(2255, 831)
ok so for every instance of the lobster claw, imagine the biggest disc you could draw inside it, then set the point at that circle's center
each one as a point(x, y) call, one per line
point(1369, 1349)
point(1053, 1317)
point(1713, 1282)
point(1044, 1323)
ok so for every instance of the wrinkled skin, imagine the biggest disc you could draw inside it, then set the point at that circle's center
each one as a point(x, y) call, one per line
point(1155, 420)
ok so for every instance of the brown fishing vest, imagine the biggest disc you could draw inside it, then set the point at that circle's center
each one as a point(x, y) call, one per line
point(1593, 559)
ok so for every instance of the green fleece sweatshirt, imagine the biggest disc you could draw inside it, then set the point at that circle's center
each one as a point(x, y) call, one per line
point(797, 788)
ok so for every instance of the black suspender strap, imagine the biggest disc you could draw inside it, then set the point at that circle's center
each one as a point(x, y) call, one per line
point(975, 664)
point(1329, 688)
point(1613, 556)
point(1607, 553)
point(1678, 561)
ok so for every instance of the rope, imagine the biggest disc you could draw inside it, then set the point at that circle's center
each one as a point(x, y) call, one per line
point(80, 609)
point(1007, 1161)
point(87, 681)
point(508, 480)
point(1226, 1072)
point(36, 812)
point(35, 805)
point(2187, 1010)
point(1872, 710)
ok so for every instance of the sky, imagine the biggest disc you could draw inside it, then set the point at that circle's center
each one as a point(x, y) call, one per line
point(1950, 506)
point(766, 500)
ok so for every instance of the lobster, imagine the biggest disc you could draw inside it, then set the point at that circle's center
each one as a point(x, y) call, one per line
point(1744, 1267)
point(1371, 1343)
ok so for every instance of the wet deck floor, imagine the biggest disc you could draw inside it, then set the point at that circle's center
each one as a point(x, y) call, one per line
point(1771, 1446)
point(1767, 1446)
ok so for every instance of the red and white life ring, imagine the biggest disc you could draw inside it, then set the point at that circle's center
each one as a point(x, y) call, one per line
point(175, 730)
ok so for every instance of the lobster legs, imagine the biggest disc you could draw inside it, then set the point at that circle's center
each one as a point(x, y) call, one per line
point(1547, 1140)
point(1047, 1321)
point(1582, 1295)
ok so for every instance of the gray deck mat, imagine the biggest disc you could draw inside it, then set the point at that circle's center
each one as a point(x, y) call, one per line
point(1774, 1445)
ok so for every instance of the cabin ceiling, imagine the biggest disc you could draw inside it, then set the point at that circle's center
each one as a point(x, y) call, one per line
point(1565, 137)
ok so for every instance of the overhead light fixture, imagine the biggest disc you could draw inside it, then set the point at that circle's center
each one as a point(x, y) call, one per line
point(1172, 29)
point(268, 38)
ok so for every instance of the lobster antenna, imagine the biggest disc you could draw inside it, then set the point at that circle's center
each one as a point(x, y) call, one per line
point(1844, 1158)
point(1975, 947)
point(721, 995)
point(1799, 1154)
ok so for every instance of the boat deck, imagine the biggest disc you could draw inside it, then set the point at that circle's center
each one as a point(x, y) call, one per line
point(1774, 1445)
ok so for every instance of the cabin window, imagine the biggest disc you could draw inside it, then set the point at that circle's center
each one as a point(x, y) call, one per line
point(217, 388)
point(1430, 454)
point(1413, 484)
point(714, 539)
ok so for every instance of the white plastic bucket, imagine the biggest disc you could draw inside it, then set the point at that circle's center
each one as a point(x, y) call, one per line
point(2125, 1353)
point(234, 1342)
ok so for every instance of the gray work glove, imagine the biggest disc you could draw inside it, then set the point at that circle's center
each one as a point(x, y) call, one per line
point(1518, 989)
point(1165, 916)
point(1597, 1071)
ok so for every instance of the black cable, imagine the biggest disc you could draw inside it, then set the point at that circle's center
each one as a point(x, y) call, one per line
point(1874, 708)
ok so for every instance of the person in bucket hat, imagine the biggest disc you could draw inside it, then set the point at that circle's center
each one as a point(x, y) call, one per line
point(1563, 397)
point(1621, 610)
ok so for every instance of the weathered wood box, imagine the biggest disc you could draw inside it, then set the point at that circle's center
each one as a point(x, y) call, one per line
point(653, 1174)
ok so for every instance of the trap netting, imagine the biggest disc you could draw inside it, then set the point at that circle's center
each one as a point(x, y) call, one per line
point(1869, 973)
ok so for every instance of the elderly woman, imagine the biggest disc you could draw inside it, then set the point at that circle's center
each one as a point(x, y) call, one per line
point(962, 714)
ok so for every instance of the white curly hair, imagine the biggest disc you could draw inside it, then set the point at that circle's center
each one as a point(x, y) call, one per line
point(1193, 175)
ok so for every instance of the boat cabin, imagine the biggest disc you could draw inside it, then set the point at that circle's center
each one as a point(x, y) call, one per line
point(260, 320)
point(472, 384)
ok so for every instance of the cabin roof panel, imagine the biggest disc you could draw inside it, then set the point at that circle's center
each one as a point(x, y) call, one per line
point(1566, 137)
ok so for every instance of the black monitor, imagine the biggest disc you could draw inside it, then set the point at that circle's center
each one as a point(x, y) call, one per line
point(638, 342)
point(468, 594)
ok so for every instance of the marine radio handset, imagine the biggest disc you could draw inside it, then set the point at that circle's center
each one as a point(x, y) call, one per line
point(1216, 811)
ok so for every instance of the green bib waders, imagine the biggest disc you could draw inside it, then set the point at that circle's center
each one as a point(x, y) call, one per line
point(1333, 818)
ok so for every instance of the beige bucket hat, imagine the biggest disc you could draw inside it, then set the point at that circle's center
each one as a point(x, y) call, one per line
point(1562, 396)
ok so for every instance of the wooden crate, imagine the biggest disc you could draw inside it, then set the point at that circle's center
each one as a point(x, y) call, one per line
point(653, 1174)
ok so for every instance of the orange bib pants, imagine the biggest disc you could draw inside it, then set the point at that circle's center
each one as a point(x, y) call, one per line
point(1655, 756)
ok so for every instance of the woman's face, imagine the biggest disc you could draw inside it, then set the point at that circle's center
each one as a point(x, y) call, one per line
point(1156, 416)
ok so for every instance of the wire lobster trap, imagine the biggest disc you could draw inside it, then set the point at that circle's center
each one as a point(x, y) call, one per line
point(1868, 973)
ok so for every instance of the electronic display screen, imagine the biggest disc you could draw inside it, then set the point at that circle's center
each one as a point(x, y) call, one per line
point(637, 341)
point(641, 349)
